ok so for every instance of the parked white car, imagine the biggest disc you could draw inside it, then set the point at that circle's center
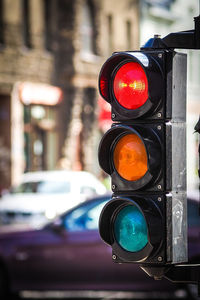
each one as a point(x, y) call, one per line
point(42, 196)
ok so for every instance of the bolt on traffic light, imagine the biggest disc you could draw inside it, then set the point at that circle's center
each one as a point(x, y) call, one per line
point(144, 153)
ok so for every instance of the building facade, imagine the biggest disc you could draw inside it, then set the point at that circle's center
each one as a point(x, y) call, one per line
point(161, 18)
point(50, 57)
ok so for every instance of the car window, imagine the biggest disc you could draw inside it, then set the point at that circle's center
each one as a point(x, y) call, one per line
point(27, 187)
point(49, 187)
point(193, 214)
point(53, 187)
point(87, 190)
point(84, 218)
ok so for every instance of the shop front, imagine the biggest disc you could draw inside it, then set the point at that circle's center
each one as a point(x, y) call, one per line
point(35, 123)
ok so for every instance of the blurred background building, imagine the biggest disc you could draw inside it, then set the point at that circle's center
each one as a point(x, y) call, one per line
point(51, 53)
point(162, 17)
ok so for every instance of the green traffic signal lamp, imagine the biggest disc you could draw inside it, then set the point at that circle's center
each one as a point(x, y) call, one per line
point(132, 222)
point(130, 229)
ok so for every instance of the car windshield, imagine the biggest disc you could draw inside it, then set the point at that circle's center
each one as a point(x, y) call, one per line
point(193, 214)
point(86, 217)
point(43, 187)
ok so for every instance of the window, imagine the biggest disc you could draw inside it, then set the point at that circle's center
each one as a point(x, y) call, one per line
point(193, 214)
point(110, 34)
point(26, 23)
point(87, 28)
point(48, 22)
point(128, 34)
point(86, 217)
point(87, 114)
point(1, 24)
point(45, 187)
point(40, 136)
point(166, 4)
point(87, 190)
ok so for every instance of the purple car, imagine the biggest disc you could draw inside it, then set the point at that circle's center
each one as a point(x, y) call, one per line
point(68, 254)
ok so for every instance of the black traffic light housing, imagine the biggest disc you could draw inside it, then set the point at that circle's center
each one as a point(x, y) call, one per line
point(171, 111)
point(158, 122)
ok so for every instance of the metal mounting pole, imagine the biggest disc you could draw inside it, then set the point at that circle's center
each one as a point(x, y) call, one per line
point(197, 129)
point(189, 39)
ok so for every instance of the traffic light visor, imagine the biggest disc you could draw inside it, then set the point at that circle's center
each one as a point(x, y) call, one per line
point(130, 229)
point(130, 157)
point(130, 85)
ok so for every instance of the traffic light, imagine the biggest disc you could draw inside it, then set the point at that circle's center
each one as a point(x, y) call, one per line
point(144, 152)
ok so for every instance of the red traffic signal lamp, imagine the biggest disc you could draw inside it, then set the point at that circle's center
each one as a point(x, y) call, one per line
point(149, 90)
point(144, 153)
point(133, 84)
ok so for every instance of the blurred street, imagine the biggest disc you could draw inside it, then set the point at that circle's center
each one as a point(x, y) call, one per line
point(91, 295)
point(52, 119)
